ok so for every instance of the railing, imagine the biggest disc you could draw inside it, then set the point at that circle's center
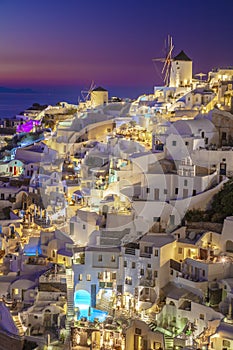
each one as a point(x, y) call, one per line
point(53, 278)
point(145, 255)
point(105, 284)
point(130, 251)
point(146, 282)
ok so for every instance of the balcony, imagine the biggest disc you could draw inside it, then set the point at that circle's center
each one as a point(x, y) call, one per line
point(145, 282)
point(130, 251)
point(145, 255)
point(105, 285)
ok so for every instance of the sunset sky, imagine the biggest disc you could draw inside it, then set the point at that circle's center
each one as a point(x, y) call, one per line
point(71, 42)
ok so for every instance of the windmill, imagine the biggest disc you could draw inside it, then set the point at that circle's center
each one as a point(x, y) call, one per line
point(86, 93)
point(167, 60)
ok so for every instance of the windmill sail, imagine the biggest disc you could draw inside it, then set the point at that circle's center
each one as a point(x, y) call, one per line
point(166, 60)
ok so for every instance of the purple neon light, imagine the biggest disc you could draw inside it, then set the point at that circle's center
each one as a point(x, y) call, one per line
point(28, 126)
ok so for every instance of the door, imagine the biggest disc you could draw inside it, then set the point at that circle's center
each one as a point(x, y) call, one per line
point(156, 194)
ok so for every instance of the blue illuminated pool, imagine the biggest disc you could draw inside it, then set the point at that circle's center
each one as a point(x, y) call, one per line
point(92, 313)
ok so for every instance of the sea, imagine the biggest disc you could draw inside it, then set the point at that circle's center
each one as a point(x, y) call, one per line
point(12, 103)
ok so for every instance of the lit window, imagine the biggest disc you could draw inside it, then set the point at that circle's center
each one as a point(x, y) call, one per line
point(180, 250)
point(226, 343)
point(80, 277)
point(100, 275)
point(113, 259)
point(88, 277)
point(156, 252)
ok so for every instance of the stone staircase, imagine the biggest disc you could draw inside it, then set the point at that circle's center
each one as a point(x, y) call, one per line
point(70, 304)
point(169, 342)
point(104, 304)
point(19, 325)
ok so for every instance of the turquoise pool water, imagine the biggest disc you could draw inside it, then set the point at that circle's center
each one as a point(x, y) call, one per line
point(93, 313)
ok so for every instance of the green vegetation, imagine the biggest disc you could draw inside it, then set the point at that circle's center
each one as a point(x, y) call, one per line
point(221, 207)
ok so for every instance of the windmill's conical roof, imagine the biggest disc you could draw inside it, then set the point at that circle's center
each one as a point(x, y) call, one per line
point(99, 88)
point(182, 57)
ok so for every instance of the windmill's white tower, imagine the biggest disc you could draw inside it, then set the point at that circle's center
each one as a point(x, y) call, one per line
point(181, 71)
point(99, 96)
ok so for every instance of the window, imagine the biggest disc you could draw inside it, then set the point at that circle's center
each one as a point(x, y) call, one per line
point(180, 250)
point(176, 190)
point(186, 143)
point(100, 258)
point(201, 317)
point(138, 331)
point(113, 275)
point(88, 277)
point(155, 274)
point(147, 190)
point(125, 263)
point(100, 275)
point(156, 252)
point(142, 272)
point(113, 259)
point(80, 277)
point(84, 227)
point(133, 265)
point(224, 136)
point(226, 343)
point(149, 266)
point(185, 182)
point(203, 273)
point(173, 143)
point(156, 219)
point(194, 192)
point(128, 281)
point(148, 250)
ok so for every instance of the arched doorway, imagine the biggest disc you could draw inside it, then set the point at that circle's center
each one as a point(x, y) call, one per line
point(229, 246)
